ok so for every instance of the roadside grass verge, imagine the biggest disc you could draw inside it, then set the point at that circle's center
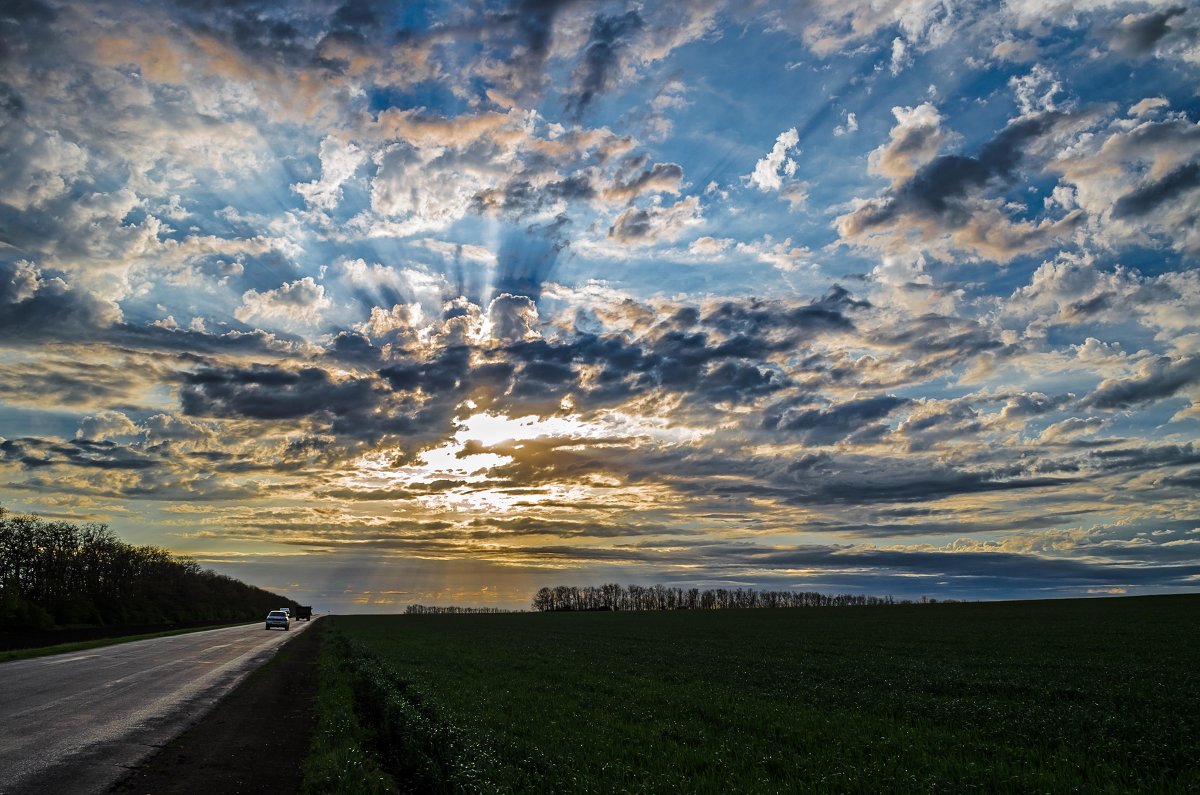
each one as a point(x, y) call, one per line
point(378, 733)
point(1087, 695)
point(339, 761)
point(83, 645)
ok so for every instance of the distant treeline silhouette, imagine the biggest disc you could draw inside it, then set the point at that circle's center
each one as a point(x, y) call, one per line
point(58, 573)
point(659, 597)
point(415, 610)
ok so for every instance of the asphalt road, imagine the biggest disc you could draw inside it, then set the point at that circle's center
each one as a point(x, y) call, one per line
point(75, 722)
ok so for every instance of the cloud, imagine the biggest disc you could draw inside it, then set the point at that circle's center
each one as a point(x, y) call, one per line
point(942, 205)
point(914, 141)
point(1137, 180)
point(48, 166)
point(512, 318)
point(106, 425)
point(769, 172)
point(857, 418)
point(1169, 31)
point(339, 161)
point(1036, 91)
point(293, 304)
point(635, 179)
point(1149, 197)
point(265, 392)
point(1157, 378)
point(489, 219)
point(594, 74)
point(36, 308)
point(656, 223)
point(901, 58)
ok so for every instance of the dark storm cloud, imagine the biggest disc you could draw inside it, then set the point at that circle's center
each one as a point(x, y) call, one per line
point(497, 528)
point(839, 479)
point(636, 176)
point(973, 572)
point(833, 423)
point(448, 371)
point(939, 188)
point(85, 453)
point(1158, 379)
point(1149, 198)
point(953, 421)
point(755, 317)
point(948, 527)
point(932, 344)
point(267, 392)
point(1140, 35)
point(520, 197)
point(1189, 480)
point(24, 25)
point(65, 384)
point(351, 346)
point(280, 36)
point(348, 23)
point(933, 483)
point(1134, 459)
point(631, 225)
point(34, 309)
point(601, 56)
point(532, 22)
point(721, 361)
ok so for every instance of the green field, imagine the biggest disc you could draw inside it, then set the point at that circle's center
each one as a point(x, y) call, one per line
point(1055, 696)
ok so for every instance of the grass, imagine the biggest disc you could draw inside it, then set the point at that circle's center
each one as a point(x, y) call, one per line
point(1053, 696)
point(337, 762)
point(82, 645)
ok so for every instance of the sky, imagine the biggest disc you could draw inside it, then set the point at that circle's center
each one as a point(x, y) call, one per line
point(385, 303)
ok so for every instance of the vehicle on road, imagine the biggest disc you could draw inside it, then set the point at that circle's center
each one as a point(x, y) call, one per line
point(278, 619)
point(303, 613)
point(287, 610)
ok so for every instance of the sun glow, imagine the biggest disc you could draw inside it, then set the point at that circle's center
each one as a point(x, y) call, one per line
point(449, 478)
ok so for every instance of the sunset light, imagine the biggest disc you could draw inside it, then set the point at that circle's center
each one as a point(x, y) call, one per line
point(863, 297)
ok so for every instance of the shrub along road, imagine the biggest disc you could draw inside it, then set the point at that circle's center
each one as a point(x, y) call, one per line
point(74, 722)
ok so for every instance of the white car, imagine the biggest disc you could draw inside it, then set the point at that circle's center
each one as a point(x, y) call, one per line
point(278, 618)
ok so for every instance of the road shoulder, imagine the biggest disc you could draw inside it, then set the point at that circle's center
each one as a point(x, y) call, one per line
point(254, 740)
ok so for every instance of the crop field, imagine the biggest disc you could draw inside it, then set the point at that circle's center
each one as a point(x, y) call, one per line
point(1055, 696)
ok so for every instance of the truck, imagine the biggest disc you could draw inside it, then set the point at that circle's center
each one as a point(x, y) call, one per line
point(303, 612)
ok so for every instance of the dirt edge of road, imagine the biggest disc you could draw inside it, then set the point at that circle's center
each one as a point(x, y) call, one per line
point(253, 741)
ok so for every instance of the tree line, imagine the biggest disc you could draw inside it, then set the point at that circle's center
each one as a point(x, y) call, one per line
point(55, 573)
point(612, 596)
point(417, 610)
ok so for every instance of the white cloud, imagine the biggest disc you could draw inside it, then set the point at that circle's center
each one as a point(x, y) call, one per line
point(1036, 91)
point(512, 318)
point(339, 160)
point(656, 223)
point(107, 425)
point(901, 57)
point(914, 141)
point(770, 171)
point(47, 166)
point(294, 304)
point(1148, 106)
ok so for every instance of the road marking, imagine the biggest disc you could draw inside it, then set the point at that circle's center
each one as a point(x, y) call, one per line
point(70, 659)
point(218, 646)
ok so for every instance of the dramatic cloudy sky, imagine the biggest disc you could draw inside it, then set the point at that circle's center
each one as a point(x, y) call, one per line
point(378, 303)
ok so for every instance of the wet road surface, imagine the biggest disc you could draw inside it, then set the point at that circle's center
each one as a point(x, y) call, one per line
point(75, 722)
